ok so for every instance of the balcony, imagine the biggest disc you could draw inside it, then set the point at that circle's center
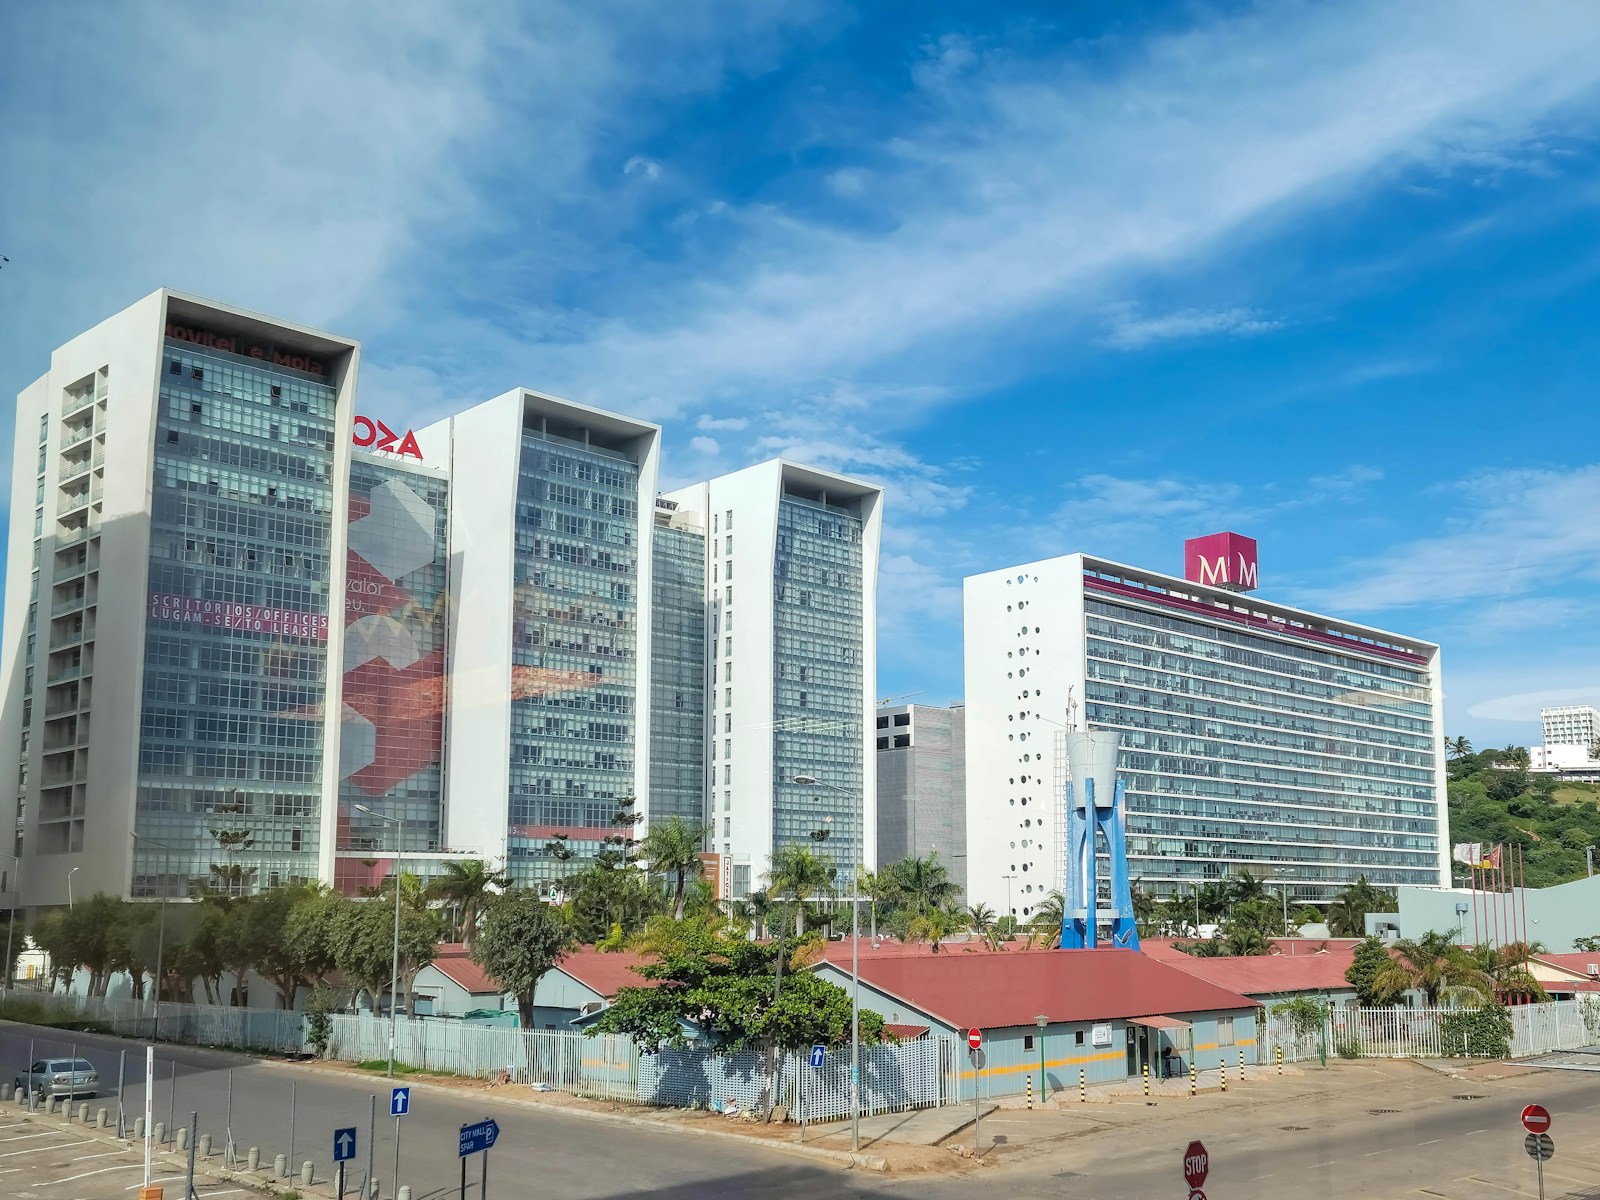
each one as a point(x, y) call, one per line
point(73, 467)
point(71, 571)
point(78, 403)
point(65, 673)
point(75, 436)
point(67, 639)
point(70, 604)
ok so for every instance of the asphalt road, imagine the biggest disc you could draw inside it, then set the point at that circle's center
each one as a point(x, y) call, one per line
point(1317, 1146)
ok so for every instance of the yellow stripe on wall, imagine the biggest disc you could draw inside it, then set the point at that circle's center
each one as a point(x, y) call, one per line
point(1076, 1061)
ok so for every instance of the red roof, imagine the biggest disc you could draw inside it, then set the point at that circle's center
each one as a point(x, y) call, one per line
point(997, 990)
point(904, 1033)
point(605, 973)
point(1578, 963)
point(452, 962)
point(1259, 974)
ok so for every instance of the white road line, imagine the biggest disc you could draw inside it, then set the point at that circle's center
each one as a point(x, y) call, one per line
point(101, 1171)
point(1375, 1153)
point(22, 1137)
point(223, 1192)
point(1430, 1143)
point(36, 1149)
point(1329, 1163)
point(156, 1179)
point(107, 1154)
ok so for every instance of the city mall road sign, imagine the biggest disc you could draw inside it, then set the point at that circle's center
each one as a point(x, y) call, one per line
point(1536, 1118)
point(975, 1039)
point(478, 1137)
point(1196, 1165)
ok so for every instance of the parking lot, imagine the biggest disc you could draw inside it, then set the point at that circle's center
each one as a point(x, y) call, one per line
point(43, 1158)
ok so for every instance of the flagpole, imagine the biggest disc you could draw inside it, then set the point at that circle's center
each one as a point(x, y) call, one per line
point(1500, 892)
point(1472, 879)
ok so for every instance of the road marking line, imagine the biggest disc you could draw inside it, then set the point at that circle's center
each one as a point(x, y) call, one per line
point(36, 1149)
point(223, 1192)
point(22, 1137)
point(101, 1171)
point(1329, 1163)
point(1375, 1153)
point(107, 1154)
point(168, 1179)
point(1430, 1143)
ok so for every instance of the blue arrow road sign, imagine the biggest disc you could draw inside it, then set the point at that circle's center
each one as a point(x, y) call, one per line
point(399, 1102)
point(344, 1145)
point(478, 1137)
point(817, 1054)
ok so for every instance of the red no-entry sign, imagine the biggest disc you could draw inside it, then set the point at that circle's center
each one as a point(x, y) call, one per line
point(1196, 1165)
point(975, 1039)
point(1536, 1118)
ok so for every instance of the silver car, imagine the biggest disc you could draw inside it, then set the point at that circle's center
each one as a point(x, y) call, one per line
point(60, 1077)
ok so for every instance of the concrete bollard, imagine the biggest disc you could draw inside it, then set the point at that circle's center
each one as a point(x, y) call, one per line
point(280, 1166)
point(181, 1140)
point(5, 1091)
point(252, 1160)
point(21, 1097)
point(101, 1119)
point(138, 1129)
point(372, 1189)
point(159, 1132)
point(83, 1114)
point(203, 1146)
point(404, 1193)
point(307, 1174)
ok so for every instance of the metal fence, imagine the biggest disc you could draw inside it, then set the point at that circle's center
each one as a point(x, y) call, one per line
point(274, 1031)
point(1421, 1032)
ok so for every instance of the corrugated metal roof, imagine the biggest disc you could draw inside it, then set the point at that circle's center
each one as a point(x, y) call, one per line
point(999, 990)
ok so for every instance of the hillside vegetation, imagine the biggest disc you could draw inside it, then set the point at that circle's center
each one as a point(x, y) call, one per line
point(1494, 798)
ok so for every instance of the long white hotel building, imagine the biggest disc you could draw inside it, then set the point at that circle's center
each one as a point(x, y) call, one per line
point(1302, 748)
point(186, 704)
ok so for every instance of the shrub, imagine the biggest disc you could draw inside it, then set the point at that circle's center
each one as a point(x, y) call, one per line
point(1480, 1032)
point(1348, 1050)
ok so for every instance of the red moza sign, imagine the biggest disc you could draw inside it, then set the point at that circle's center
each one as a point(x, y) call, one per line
point(372, 434)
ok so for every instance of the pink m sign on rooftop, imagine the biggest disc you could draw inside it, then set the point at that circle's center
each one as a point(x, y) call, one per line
point(1224, 560)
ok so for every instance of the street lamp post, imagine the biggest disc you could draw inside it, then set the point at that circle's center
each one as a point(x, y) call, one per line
point(1008, 879)
point(1041, 1021)
point(855, 981)
point(394, 978)
point(70, 874)
point(161, 941)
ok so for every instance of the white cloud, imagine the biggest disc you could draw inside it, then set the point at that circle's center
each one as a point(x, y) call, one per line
point(1525, 706)
point(704, 445)
point(708, 422)
point(1130, 331)
point(848, 182)
point(1521, 532)
point(645, 168)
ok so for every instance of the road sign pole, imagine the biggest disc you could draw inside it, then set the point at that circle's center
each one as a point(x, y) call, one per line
point(394, 1183)
point(463, 1177)
point(372, 1136)
point(977, 1115)
point(483, 1187)
point(1540, 1162)
point(339, 1185)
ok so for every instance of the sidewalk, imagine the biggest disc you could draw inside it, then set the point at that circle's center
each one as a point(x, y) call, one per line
point(920, 1127)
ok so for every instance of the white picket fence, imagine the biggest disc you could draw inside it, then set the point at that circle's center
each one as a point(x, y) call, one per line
point(1420, 1032)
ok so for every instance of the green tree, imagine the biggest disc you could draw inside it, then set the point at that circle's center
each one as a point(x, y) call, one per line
point(1458, 747)
point(1435, 966)
point(921, 884)
point(522, 938)
point(798, 875)
point(672, 849)
point(1147, 910)
point(1347, 914)
point(363, 946)
point(1213, 899)
point(263, 926)
point(310, 932)
point(1242, 887)
point(1369, 960)
point(937, 924)
point(981, 920)
point(722, 986)
point(469, 885)
point(1045, 924)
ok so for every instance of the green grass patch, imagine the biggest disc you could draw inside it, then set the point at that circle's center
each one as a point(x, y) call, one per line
point(382, 1064)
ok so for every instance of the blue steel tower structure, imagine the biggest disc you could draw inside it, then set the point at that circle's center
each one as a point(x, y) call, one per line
point(1094, 800)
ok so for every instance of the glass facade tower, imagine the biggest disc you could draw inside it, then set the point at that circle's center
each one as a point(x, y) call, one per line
point(391, 741)
point(678, 673)
point(231, 734)
point(817, 680)
point(1243, 750)
point(574, 649)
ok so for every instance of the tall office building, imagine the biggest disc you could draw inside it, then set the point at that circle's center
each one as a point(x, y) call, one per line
point(396, 619)
point(792, 555)
point(922, 785)
point(1305, 749)
point(678, 667)
point(175, 545)
point(1571, 725)
point(552, 524)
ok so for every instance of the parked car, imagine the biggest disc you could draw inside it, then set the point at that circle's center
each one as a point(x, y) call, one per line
point(68, 1077)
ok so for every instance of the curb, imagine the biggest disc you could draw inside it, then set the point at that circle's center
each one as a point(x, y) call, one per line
point(871, 1162)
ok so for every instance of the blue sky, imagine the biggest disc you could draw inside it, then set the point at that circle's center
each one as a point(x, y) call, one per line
point(1089, 277)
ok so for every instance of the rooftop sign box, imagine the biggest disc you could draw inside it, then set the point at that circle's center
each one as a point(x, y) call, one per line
point(1223, 560)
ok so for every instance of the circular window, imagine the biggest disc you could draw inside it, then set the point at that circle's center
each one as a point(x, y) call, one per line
point(1029, 889)
point(1026, 822)
point(1024, 800)
point(1024, 866)
point(1021, 578)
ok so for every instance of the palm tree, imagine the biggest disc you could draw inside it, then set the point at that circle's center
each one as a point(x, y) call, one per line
point(923, 884)
point(1508, 967)
point(799, 875)
point(1046, 920)
point(468, 883)
point(937, 924)
point(1515, 757)
point(1347, 914)
point(875, 886)
point(673, 848)
point(1458, 747)
point(760, 906)
point(1242, 887)
point(1212, 900)
point(1435, 966)
point(1145, 908)
point(980, 919)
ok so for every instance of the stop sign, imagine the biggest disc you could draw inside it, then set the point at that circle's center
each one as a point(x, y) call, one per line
point(1196, 1164)
point(975, 1039)
point(1536, 1118)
